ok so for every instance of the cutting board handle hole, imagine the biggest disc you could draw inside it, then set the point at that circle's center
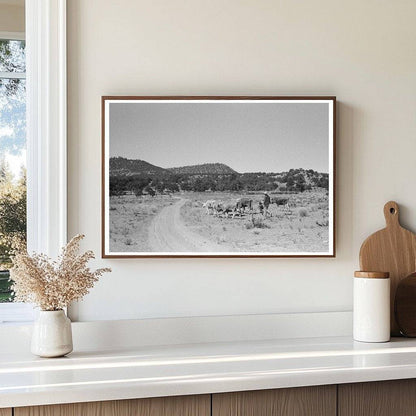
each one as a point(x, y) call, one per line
point(391, 213)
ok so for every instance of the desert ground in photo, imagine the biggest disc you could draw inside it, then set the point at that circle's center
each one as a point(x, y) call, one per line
point(180, 223)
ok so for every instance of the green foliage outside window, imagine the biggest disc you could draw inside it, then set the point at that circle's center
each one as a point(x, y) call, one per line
point(12, 223)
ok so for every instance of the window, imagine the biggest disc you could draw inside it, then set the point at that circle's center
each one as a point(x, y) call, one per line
point(12, 154)
point(45, 138)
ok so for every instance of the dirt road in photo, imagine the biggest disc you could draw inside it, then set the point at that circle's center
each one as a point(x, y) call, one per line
point(167, 233)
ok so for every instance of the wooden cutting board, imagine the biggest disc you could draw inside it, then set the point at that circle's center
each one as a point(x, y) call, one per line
point(393, 250)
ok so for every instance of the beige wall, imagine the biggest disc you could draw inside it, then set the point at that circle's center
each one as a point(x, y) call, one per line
point(12, 18)
point(361, 51)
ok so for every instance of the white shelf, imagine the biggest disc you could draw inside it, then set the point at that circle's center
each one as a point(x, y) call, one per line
point(151, 371)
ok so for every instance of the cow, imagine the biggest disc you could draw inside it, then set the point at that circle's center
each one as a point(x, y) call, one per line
point(243, 203)
point(263, 210)
point(210, 206)
point(226, 208)
point(217, 208)
point(280, 201)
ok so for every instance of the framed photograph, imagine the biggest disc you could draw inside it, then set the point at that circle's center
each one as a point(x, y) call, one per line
point(218, 176)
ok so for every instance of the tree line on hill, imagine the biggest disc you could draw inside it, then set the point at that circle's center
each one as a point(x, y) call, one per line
point(295, 180)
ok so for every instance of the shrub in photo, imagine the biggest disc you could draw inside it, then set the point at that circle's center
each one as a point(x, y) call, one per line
point(302, 212)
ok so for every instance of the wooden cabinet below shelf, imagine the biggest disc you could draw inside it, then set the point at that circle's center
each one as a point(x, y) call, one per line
point(378, 398)
point(299, 401)
point(160, 406)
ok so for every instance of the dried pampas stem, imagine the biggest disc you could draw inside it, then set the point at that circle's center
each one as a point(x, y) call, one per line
point(53, 285)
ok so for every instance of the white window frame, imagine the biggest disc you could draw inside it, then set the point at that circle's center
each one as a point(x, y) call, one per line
point(46, 128)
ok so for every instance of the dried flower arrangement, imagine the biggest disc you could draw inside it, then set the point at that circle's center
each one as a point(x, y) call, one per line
point(53, 285)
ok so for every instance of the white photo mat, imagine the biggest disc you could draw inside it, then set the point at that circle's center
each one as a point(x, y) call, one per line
point(175, 171)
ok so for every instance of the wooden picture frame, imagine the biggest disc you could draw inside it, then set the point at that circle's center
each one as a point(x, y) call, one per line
point(187, 176)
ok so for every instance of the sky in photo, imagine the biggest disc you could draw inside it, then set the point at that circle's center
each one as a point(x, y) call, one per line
point(248, 137)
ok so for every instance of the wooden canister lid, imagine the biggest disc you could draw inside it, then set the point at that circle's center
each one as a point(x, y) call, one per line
point(372, 275)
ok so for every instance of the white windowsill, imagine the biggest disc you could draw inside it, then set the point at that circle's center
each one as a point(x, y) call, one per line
point(16, 313)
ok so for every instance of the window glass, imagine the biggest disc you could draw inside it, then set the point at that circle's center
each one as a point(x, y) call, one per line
point(12, 156)
point(12, 56)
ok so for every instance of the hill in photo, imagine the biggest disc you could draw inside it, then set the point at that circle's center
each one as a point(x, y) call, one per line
point(204, 169)
point(123, 166)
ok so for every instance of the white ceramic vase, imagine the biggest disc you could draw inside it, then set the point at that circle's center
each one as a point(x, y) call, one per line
point(52, 334)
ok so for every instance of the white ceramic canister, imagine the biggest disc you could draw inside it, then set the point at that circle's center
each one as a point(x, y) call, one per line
point(52, 334)
point(371, 307)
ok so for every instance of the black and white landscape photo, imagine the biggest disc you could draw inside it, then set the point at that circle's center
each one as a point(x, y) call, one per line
point(218, 177)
